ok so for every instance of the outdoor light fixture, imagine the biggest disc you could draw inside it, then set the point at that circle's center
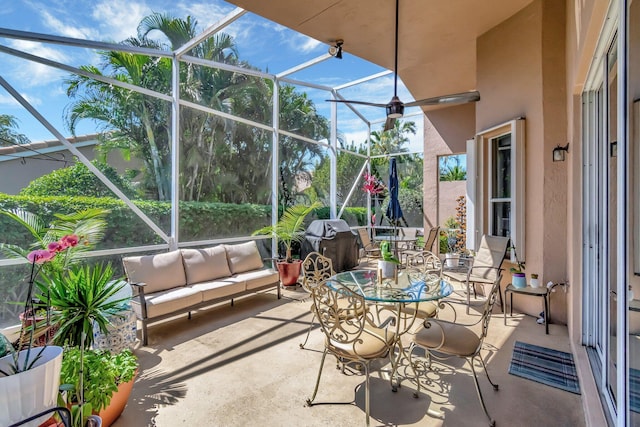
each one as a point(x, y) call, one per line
point(559, 152)
point(337, 49)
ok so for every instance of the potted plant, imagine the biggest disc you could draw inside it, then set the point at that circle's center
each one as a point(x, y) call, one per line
point(289, 229)
point(534, 282)
point(388, 264)
point(452, 256)
point(518, 277)
point(81, 298)
point(111, 376)
point(29, 376)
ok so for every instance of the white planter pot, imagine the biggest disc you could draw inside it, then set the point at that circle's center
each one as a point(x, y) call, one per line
point(452, 260)
point(32, 391)
point(387, 269)
point(534, 283)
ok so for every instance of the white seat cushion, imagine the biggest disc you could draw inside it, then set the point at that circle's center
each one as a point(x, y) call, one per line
point(202, 265)
point(168, 301)
point(259, 278)
point(214, 289)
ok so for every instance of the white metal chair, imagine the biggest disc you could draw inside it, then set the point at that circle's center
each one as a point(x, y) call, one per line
point(351, 334)
point(316, 268)
point(443, 340)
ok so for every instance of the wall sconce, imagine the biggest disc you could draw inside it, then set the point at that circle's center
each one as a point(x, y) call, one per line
point(337, 49)
point(559, 153)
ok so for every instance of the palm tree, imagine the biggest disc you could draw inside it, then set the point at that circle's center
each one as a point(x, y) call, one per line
point(8, 136)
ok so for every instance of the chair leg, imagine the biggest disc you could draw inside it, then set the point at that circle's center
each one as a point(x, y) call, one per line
point(315, 390)
point(366, 392)
point(308, 332)
point(492, 422)
point(484, 366)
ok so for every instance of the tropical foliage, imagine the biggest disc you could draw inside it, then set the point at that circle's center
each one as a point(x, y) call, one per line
point(210, 146)
point(8, 134)
point(290, 226)
point(78, 180)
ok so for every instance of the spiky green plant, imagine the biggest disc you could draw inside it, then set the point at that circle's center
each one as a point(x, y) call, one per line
point(290, 226)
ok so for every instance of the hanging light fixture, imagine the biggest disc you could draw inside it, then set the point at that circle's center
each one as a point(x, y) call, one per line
point(336, 50)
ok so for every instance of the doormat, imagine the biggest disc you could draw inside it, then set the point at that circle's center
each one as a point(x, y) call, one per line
point(545, 365)
point(634, 389)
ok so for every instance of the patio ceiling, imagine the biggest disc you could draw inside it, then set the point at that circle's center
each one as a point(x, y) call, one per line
point(437, 39)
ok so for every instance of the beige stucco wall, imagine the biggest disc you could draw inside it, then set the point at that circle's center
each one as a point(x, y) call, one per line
point(445, 132)
point(449, 191)
point(521, 74)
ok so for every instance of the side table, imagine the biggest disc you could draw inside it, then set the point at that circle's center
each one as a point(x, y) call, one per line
point(542, 291)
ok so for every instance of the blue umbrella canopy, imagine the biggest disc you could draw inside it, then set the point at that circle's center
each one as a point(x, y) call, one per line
point(394, 211)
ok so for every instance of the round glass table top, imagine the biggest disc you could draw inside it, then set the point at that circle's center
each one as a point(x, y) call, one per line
point(411, 286)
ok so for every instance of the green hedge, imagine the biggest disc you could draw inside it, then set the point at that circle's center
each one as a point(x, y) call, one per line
point(198, 220)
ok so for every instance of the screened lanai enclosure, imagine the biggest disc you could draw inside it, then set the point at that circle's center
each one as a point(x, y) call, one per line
point(187, 142)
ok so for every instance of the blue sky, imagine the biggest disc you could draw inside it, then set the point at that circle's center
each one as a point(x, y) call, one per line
point(262, 43)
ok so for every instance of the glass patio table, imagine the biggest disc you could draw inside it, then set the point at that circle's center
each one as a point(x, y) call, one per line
point(391, 299)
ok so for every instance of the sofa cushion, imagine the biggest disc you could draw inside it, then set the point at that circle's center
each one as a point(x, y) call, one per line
point(222, 288)
point(167, 301)
point(259, 278)
point(243, 257)
point(159, 272)
point(201, 265)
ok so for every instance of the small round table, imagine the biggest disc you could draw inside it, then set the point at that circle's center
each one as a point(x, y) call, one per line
point(542, 291)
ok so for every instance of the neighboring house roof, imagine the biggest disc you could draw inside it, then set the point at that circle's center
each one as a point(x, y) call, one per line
point(44, 147)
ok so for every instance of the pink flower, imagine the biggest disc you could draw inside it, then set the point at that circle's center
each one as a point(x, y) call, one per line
point(40, 256)
point(69, 241)
point(371, 184)
point(55, 247)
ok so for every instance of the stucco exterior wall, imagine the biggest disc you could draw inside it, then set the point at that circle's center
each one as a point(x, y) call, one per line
point(521, 73)
point(445, 132)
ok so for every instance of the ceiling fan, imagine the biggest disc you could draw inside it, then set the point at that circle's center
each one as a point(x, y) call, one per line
point(395, 107)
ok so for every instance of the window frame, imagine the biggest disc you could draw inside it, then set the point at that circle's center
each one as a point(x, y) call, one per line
point(479, 185)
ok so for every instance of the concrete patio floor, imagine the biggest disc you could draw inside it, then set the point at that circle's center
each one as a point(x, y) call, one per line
point(241, 365)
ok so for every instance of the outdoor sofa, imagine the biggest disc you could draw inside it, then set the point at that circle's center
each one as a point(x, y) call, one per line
point(184, 280)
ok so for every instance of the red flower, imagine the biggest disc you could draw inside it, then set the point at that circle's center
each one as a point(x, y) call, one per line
point(40, 256)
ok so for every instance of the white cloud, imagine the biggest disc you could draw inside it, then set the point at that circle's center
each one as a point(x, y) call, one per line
point(32, 73)
point(8, 101)
point(64, 29)
point(119, 19)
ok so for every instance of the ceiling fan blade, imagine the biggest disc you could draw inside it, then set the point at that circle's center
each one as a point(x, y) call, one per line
point(346, 101)
point(389, 124)
point(456, 98)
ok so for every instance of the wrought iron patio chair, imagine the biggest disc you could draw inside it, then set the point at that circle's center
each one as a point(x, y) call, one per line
point(316, 268)
point(486, 266)
point(443, 340)
point(432, 268)
point(351, 332)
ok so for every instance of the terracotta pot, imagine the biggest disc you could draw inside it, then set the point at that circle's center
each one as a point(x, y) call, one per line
point(118, 402)
point(289, 271)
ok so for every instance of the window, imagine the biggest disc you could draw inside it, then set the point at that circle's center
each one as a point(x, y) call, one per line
point(495, 185)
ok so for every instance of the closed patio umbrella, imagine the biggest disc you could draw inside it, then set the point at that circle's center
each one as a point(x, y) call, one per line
point(394, 211)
